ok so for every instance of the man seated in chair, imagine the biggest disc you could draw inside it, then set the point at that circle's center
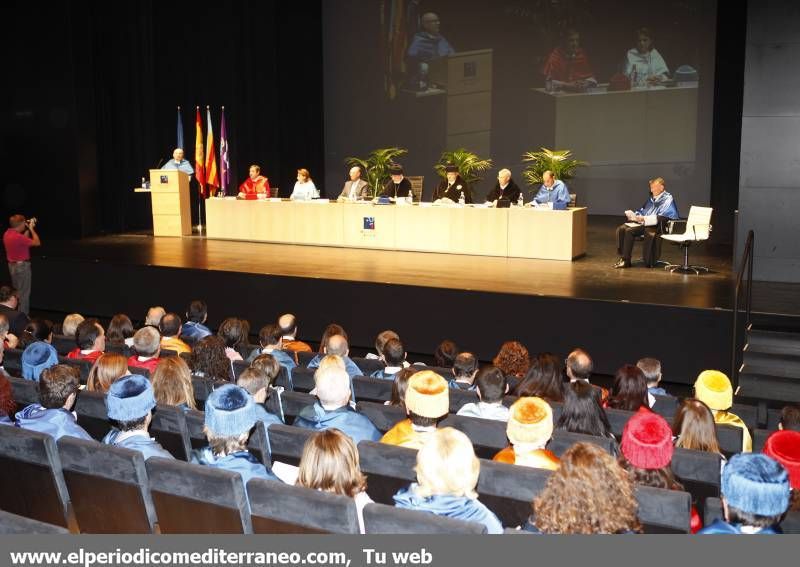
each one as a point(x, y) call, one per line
point(644, 222)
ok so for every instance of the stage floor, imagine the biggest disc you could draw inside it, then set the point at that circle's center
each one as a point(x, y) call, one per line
point(589, 277)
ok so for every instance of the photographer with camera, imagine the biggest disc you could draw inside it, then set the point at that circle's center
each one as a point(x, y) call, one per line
point(18, 239)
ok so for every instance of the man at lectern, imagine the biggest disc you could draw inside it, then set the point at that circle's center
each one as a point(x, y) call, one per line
point(177, 162)
point(426, 45)
point(254, 185)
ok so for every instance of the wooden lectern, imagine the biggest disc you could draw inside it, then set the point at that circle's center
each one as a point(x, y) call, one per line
point(169, 189)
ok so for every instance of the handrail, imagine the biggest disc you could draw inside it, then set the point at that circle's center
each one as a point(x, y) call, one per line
point(747, 262)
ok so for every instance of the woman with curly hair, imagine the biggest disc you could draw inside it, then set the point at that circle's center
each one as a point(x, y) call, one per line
point(209, 361)
point(7, 404)
point(513, 360)
point(629, 391)
point(106, 370)
point(544, 379)
point(588, 494)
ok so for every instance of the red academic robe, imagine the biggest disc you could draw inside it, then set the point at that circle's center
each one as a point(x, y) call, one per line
point(560, 67)
point(251, 187)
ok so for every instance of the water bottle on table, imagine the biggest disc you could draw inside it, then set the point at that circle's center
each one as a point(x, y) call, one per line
point(461, 200)
point(520, 200)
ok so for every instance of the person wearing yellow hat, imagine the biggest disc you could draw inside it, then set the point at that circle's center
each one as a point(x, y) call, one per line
point(427, 403)
point(530, 426)
point(714, 389)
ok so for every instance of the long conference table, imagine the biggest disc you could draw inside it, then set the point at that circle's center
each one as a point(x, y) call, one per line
point(514, 232)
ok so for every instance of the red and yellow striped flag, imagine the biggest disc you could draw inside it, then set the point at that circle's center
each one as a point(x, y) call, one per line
point(199, 157)
point(212, 179)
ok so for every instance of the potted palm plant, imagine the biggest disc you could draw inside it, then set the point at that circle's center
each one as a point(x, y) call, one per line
point(376, 166)
point(560, 162)
point(469, 164)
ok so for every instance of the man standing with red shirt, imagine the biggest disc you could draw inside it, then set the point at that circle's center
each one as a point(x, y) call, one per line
point(18, 239)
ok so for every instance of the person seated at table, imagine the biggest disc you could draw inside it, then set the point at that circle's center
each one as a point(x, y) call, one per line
point(660, 204)
point(567, 67)
point(304, 189)
point(505, 188)
point(254, 185)
point(398, 185)
point(644, 65)
point(356, 188)
point(552, 191)
point(453, 186)
point(177, 162)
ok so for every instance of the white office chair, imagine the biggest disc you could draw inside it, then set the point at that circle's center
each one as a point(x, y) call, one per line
point(698, 229)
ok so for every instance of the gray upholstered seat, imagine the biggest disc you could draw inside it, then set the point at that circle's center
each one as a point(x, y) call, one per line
point(382, 519)
point(92, 413)
point(286, 442)
point(11, 524)
point(170, 430)
point(663, 511)
point(563, 440)
point(382, 416)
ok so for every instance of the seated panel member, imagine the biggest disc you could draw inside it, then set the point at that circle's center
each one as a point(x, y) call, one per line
point(177, 162)
point(644, 65)
point(552, 191)
point(304, 188)
point(567, 66)
point(660, 204)
point(452, 186)
point(356, 188)
point(398, 185)
point(505, 188)
point(254, 185)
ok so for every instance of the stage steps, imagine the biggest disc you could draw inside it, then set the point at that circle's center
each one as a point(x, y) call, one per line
point(770, 370)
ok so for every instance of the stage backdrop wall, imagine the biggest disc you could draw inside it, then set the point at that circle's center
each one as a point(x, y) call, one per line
point(769, 190)
point(93, 95)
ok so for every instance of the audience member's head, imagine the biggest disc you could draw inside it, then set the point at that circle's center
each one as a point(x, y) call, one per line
point(647, 450)
point(530, 422)
point(579, 365)
point(4, 327)
point(427, 398)
point(588, 494)
point(106, 370)
point(755, 490)
point(714, 389)
point(330, 361)
point(629, 391)
point(37, 330)
point(197, 312)
point(58, 387)
point(512, 359)
point(267, 364)
point(7, 404)
point(582, 412)
point(288, 325)
point(270, 336)
point(255, 381)
point(382, 338)
point(130, 402)
point(119, 329)
point(154, 315)
point(209, 360)
point(465, 367)
point(491, 385)
point(790, 418)
point(445, 354)
point(36, 358)
point(172, 383)
point(447, 465)
point(337, 345)
point(147, 342)
point(90, 336)
point(400, 385)
point(393, 353)
point(332, 386)
point(330, 331)
point(230, 414)
point(70, 324)
point(330, 463)
point(651, 368)
point(232, 332)
point(784, 447)
point(9, 296)
point(693, 427)
point(543, 379)
point(170, 325)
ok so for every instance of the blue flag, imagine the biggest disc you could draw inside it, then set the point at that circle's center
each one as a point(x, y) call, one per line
point(180, 130)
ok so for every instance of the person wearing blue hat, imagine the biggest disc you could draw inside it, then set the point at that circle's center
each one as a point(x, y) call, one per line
point(129, 404)
point(755, 495)
point(230, 415)
point(36, 357)
point(58, 389)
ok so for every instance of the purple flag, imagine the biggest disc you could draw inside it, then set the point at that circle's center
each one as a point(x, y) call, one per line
point(224, 160)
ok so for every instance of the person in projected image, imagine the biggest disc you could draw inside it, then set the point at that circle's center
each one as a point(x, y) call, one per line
point(426, 45)
point(644, 65)
point(567, 67)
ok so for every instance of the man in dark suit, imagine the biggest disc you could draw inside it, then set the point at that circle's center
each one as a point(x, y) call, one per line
point(356, 188)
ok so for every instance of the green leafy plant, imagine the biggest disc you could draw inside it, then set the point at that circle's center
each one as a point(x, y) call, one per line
point(560, 162)
point(468, 164)
point(376, 166)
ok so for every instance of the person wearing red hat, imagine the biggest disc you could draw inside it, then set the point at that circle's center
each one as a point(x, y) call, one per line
point(784, 447)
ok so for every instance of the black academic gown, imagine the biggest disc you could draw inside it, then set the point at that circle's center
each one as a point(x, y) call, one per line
point(399, 190)
point(453, 192)
point(511, 192)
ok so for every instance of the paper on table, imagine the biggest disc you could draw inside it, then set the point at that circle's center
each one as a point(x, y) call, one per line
point(633, 224)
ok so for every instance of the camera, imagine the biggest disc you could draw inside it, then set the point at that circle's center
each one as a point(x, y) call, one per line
point(32, 221)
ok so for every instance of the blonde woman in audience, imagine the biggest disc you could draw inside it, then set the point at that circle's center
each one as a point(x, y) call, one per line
point(106, 370)
point(447, 474)
point(70, 324)
point(330, 463)
point(172, 383)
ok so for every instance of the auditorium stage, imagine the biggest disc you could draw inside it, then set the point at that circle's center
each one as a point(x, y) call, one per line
point(479, 302)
